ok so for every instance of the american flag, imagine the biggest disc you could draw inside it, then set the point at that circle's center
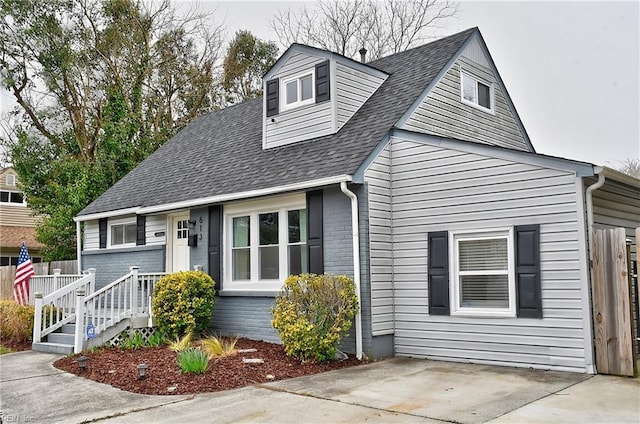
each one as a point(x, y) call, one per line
point(24, 271)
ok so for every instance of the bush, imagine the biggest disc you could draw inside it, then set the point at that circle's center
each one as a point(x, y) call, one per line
point(183, 303)
point(16, 321)
point(156, 339)
point(193, 360)
point(312, 313)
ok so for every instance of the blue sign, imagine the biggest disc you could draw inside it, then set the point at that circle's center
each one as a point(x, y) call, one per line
point(91, 331)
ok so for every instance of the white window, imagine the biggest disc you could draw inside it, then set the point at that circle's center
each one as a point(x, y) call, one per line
point(11, 180)
point(483, 281)
point(12, 197)
point(298, 91)
point(265, 242)
point(121, 233)
point(476, 93)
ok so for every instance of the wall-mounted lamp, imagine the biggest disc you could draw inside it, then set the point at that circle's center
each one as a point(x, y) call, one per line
point(82, 362)
point(192, 224)
point(142, 371)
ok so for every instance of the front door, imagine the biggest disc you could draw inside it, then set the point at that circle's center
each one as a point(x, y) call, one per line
point(178, 253)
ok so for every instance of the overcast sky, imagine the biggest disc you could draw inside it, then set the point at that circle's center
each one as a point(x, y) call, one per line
point(571, 68)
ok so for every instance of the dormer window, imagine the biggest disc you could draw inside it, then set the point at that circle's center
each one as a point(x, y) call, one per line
point(476, 93)
point(298, 91)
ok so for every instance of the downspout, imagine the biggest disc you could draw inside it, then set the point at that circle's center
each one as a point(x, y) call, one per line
point(79, 247)
point(356, 262)
point(589, 194)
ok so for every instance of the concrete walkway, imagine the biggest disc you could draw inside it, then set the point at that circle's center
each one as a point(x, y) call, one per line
point(394, 391)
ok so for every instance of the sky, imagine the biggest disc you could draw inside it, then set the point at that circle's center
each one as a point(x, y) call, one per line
point(572, 69)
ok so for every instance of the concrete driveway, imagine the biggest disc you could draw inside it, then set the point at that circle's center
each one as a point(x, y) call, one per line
point(396, 391)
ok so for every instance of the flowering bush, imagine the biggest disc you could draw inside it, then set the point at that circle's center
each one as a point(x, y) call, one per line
point(312, 313)
point(183, 303)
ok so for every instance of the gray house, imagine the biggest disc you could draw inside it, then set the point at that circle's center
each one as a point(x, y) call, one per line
point(412, 173)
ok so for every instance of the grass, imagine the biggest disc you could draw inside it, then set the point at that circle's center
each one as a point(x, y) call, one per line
point(182, 344)
point(217, 347)
point(193, 360)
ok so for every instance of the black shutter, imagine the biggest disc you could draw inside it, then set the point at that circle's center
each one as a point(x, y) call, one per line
point(215, 243)
point(102, 231)
point(438, 272)
point(323, 86)
point(528, 289)
point(314, 232)
point(273, 94)
point(141, 222)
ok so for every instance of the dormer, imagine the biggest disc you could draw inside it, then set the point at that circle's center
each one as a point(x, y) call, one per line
point(310, 93)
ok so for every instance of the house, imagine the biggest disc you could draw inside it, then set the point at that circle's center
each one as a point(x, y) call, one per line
point(412, 173)
point(17, 223)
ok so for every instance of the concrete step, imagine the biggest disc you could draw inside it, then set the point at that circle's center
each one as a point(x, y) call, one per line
point(68, 329)
point(61, 338)
point(49, 347)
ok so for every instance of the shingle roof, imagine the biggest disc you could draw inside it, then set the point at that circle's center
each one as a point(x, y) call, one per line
point(221, 152)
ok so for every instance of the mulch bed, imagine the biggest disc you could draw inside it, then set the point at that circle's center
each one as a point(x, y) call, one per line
point(16, 345)
point(118, 368)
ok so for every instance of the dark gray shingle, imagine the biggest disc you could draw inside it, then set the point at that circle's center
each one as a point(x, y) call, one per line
point(221, 152)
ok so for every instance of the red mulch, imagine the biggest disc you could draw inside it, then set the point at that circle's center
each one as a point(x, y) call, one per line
point(16, 345)
point(117, 367)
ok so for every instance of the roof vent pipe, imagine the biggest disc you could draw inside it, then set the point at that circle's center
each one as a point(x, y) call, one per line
point(363, 55)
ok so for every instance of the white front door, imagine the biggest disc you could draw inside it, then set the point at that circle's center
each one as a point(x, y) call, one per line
point(178, 254)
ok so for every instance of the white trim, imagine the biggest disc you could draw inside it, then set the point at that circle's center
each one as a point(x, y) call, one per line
point(467, 75)
point(585, 298)
point(108, 214)
point(297, 78)
point(281, 205)
point(9, 203)
point(497, 233)
point(244, 195)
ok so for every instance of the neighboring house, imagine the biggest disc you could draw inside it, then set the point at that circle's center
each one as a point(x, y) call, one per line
point(17, 224)
point(468, 245)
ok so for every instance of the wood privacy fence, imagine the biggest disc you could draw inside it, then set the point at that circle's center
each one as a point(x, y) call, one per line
point(8, 274)
point(613, 303)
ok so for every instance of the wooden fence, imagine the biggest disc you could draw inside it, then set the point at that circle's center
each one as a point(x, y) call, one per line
point(614, 336)
point(8, 274)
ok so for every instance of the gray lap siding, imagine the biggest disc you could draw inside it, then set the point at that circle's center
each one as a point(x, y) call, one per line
point(436, 189)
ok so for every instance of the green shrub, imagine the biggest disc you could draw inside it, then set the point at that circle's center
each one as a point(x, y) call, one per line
point(312, 313)
point(193, 360)
point(132, 341)
point(183, 303)
point(156, 339)
point(16, 321)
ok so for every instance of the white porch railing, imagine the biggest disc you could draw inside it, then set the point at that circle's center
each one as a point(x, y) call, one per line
point(127, 297)
point(58, 308)
point(47, 284)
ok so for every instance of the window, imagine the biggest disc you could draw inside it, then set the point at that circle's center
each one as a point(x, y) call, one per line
point(483, 273)
point(122, 234)
point(12, 197)
point(265, 242)
point(298, 91)
point(476, 93)
point(11, 180)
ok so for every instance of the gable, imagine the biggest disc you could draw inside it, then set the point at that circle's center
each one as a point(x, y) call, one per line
point(311, 93)
point(444, 110)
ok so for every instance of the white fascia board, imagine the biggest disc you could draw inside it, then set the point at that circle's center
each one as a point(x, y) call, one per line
point(244, 195)
point(581, 169)
point(109, 214)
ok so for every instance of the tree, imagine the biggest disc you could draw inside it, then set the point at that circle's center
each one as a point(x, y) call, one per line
point(382, 27)
point(100, 84)
point(248, 58)
point(631, 167)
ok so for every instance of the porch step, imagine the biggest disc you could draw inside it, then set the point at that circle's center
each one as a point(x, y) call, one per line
point(61, 338)
point(68, 329)
point(49, 347)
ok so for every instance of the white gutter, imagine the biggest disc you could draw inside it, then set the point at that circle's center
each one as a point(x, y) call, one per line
point(356, 262)
point(109, 214)
point(79, 247)
point(244, 195)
